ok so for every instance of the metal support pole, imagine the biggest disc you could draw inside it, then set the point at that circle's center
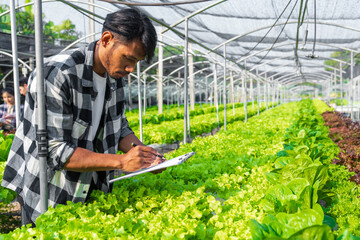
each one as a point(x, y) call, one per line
point(341, 87)
point(224, 90)
point(191, 80)
point(206, 91)
point(216, 100)
point(40, 88)
point(145, 77)
point(329, 90)
point(91, 22)
point(351, 82)
point(178, 96)
point(272, 92)
point(140, 101)
point(130, 98)
point(186, 80)
point(251, 91)
point(14, 46)
point(258, 96)
point(232, 92)
point(335, 86)
point(179, 92)
point(266, 92)
point(167, 96)
point(159, 85)
point(245, 90)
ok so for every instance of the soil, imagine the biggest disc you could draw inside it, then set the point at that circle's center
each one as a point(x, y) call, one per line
point(346, 134)
point(10, 217)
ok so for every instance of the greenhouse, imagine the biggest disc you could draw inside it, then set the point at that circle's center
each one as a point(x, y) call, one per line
point(250, 109)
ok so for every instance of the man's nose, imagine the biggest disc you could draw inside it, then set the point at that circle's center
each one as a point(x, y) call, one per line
point(130, 68)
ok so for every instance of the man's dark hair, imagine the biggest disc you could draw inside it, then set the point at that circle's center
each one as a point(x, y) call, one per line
point(131, 24)
point(22, 81)
point(9, 90)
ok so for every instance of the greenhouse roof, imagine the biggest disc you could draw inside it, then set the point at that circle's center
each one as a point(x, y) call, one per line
point(264, 33)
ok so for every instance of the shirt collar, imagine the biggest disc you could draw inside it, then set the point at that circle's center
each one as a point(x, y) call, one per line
point(87, 78)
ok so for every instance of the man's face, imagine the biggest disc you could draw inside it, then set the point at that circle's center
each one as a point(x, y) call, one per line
point(8, 98)
point(23, 90)
point(120, 58)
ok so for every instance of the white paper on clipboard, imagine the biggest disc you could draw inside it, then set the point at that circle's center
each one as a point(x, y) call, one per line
point(169, 163)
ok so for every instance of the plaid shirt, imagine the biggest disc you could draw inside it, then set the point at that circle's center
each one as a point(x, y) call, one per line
point(69, 99)
point(3, 112)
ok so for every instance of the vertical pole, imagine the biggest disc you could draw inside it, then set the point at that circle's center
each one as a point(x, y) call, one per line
point(186, 81)
point(159, 84)
point(91, 22)
point(224, 86)
point(206, 90)
point(145, 77)
point(341, 87)
point(258, 95)
point(178, 96)
point(232, 91)
point(31, 59)
point(266, 92)
point(167, 95)
point(251, 91)
point(130, 98)
point(140, 101)
point(357, 97)
point(179, 91)
point(351, 82)
point(335, 86)
point(216, 100)
point(245, 90)
point(329, 90)
point(40, 88)
point(191, 80)
point(14, 47)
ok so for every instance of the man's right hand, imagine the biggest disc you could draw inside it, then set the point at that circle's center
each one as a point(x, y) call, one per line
point(137, 158)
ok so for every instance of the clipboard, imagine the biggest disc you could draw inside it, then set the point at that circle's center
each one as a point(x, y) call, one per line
point(168, 163)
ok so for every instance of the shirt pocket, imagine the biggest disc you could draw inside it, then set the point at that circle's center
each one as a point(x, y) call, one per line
point(79, 129)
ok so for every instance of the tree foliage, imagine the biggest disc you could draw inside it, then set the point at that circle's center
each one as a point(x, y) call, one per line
point(25, 23)
point(342, 55)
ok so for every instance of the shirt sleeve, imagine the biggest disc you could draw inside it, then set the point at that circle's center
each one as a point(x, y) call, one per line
point(125, 128)
point(59, 119)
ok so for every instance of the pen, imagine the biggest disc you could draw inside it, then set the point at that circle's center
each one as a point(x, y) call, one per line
point(162, 157)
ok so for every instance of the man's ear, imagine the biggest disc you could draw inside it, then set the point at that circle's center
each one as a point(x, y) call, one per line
point(106, 38)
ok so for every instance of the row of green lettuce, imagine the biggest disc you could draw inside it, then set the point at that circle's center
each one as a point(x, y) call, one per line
point(152, 117)
point(213, 195)
point(299, 199)
point(173, 131)
point(168, 132)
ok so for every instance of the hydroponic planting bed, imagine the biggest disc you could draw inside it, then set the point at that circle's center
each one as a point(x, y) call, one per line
point(271, 177)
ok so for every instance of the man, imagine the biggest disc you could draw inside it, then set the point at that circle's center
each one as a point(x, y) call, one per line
point(23, 86)
point(86, 125)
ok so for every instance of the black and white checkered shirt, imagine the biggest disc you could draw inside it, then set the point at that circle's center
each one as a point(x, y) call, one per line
point(69, 99)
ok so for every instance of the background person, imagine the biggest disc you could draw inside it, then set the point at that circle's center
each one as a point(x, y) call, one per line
point(23, 85)
point(86, 124)
point(7, 110)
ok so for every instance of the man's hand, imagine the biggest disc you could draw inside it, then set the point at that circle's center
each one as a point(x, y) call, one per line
point(138, 157)
point(158, 161)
